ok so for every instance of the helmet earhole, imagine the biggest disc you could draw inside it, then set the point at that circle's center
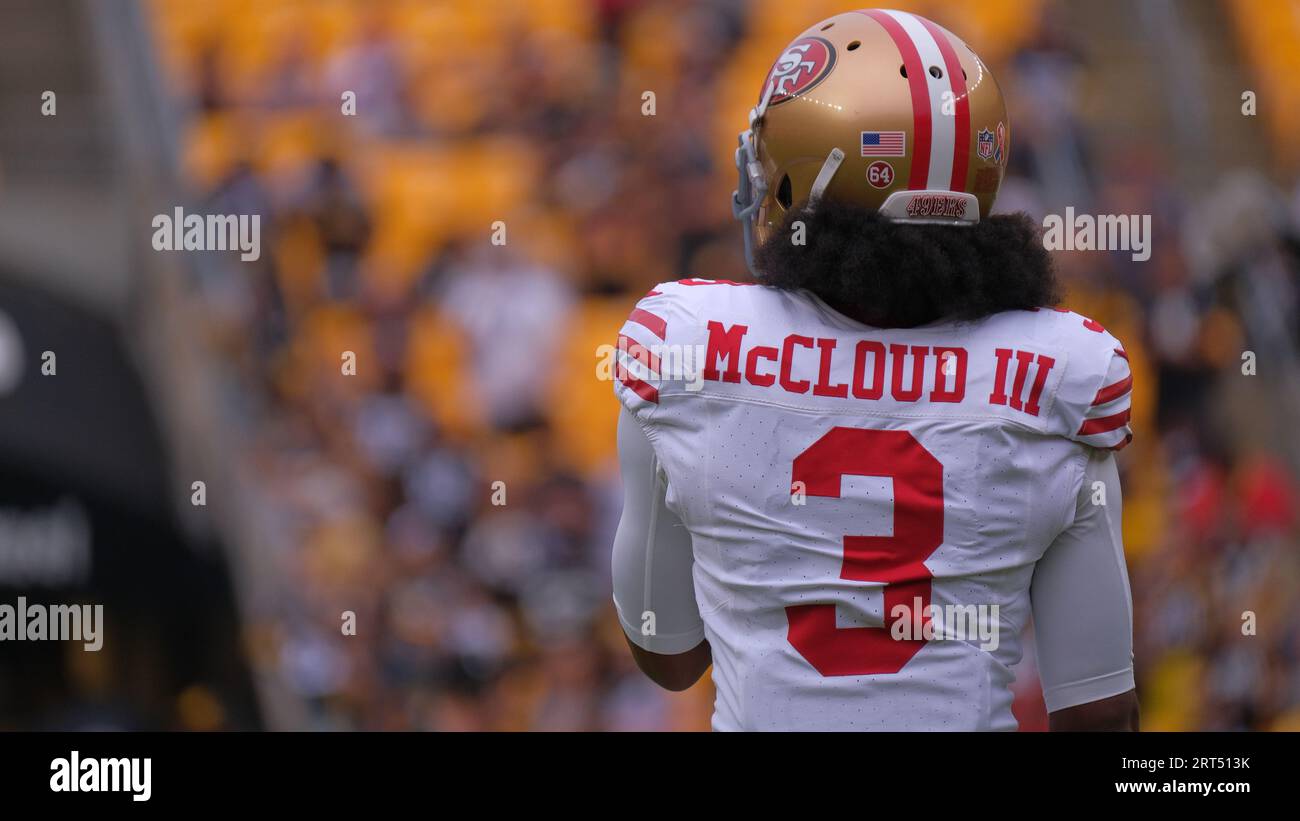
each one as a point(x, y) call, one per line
point(936, 72)
point(784, 192)
point(854, 45)
point(903, 71)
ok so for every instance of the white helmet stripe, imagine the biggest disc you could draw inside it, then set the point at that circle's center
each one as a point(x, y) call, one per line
point(943, 125)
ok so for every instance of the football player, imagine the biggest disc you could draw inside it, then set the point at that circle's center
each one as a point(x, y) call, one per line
point(850, 483)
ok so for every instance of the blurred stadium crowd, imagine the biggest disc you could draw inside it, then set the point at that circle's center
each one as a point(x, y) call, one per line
point(476, 364)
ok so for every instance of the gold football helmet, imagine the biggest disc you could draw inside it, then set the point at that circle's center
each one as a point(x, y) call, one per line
point(884, 109)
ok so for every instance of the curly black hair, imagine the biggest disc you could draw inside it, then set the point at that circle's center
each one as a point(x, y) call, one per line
point(893, 275)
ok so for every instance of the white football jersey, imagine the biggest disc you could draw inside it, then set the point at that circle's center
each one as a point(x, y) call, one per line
point(866, 506)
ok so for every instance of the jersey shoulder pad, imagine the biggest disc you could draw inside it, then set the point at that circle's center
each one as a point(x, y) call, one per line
point(655, 343)
point(1094, 400)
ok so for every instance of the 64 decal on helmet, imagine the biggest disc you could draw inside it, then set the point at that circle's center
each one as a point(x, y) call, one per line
point(882, 74)
point(880, 174)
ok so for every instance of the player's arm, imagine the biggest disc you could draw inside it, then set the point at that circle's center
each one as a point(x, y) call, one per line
point(1083, 613)
point(654, 592)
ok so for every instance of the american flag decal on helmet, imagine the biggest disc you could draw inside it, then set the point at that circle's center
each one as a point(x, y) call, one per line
point(884, 143)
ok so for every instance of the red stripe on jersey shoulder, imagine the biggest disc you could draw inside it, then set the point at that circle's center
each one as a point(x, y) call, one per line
point(653, 323)
point(1104, 424)
point(1112, 392)
point(712, 282)
point(638, 352)
point(642, 389)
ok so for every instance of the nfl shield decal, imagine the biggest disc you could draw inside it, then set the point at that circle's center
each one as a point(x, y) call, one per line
point(984, 147)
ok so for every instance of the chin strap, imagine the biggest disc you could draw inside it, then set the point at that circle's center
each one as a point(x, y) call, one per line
point(829, 168)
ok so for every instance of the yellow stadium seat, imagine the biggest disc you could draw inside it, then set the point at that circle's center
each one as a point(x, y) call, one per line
point(437, 357)
point(1268, 33)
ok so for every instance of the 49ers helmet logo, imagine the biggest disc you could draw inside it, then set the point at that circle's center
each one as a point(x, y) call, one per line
point(802, 65)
